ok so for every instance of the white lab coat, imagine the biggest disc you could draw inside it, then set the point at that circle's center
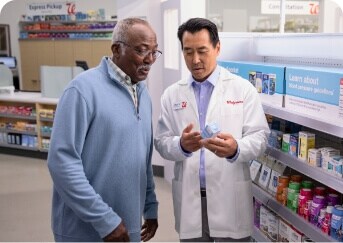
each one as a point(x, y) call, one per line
point(236, 107)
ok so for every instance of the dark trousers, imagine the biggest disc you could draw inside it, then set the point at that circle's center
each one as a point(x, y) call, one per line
point(206, 231)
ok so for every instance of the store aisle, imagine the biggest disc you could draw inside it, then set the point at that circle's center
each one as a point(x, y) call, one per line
point(25, 202)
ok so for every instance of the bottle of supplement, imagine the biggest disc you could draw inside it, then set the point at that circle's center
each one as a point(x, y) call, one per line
point(327, 220)
point(336, 223)
point(332, 199)
point(321, 218)
point(304, 196)
point(318, 203)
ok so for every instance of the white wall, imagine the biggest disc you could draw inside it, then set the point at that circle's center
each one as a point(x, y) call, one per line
point(332, 13)
point(150, 9)
point(12, 13)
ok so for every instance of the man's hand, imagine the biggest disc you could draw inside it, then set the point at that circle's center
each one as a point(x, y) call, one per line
point(118, 234)
point(223, 145)
point(149, 229)
point(190, 141)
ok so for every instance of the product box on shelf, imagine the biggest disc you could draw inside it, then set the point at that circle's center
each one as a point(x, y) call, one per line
point(284, 231)
point(267, 78)
point(317, 92)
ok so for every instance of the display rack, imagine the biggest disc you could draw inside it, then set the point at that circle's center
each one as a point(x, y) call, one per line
point(66, 29)
point(38, 103)
point(321, 50)
point(305, 120)
point(313, 172)
point(311, 50)
point(298, 222)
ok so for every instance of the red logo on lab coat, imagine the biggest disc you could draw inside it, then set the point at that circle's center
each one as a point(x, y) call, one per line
point(184, 104)
point(234, 102)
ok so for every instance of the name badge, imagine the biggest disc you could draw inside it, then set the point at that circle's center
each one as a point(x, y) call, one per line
point(179, 106)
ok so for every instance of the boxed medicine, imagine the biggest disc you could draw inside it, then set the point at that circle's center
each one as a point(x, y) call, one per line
point(306, 142)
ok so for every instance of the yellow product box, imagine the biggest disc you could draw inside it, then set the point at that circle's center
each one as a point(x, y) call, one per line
point(306, 142)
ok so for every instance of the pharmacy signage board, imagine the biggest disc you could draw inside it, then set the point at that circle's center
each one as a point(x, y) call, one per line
point(292, 7)
point(50, 8)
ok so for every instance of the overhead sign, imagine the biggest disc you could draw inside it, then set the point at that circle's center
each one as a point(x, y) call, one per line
point(51, 8)
point(292, 7)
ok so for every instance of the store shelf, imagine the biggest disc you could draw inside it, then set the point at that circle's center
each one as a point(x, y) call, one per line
point(54, 30)
point(18, 132)
point(258, 236)
point(70, 31)
point(18, 146)
point(316, 173)
point(298, 222)
point(68, 22)
point(305, 120)
point(33, 118)
point(41, 105)
point(45, 134)
point(46, 119)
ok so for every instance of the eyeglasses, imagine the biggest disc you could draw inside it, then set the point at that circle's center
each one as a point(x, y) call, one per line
point(144, 53)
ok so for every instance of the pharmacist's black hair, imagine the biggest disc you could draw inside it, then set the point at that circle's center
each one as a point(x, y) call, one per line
point(197, 24)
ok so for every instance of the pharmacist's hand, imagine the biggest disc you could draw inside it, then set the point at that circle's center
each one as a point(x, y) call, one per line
point(149, 229)
point(223, 145)
point(118, 234)
point(190, 141)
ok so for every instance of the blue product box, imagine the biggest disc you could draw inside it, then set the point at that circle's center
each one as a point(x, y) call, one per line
point(210, 130)
point(317, 92)
point(267, 78)
point(293, 144)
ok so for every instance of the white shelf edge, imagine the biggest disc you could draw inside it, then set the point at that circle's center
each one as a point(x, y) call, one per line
point(316, 173)
point(298, 222)
point(304, 120)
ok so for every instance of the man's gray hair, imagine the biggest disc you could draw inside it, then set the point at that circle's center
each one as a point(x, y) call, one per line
point(121, 29)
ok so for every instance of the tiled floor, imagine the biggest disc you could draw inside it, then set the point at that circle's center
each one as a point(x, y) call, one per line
point(25, 202)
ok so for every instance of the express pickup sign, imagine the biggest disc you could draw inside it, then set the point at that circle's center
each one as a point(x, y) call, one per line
point(51, 8)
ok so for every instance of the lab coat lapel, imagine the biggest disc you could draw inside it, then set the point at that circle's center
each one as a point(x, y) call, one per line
point(216, 97)
point(187, 94)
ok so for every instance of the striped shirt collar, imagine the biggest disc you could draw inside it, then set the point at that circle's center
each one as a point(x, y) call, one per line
point(123, 77)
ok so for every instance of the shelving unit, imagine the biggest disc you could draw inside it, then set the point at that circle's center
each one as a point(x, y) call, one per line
point(33, 118)
point(66, 29)
point(320, 50)
point(313, 172)
point(298, 222)
point(305, 120)
point(38, 103)
point(18, 147)
point(311, 50)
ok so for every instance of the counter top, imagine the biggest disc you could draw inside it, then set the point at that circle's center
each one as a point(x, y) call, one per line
point(28, 97)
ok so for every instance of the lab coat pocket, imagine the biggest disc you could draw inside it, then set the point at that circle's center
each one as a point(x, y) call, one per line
point(231, 119)
point(244, 205)
point(231, 109)
point(177, 197)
